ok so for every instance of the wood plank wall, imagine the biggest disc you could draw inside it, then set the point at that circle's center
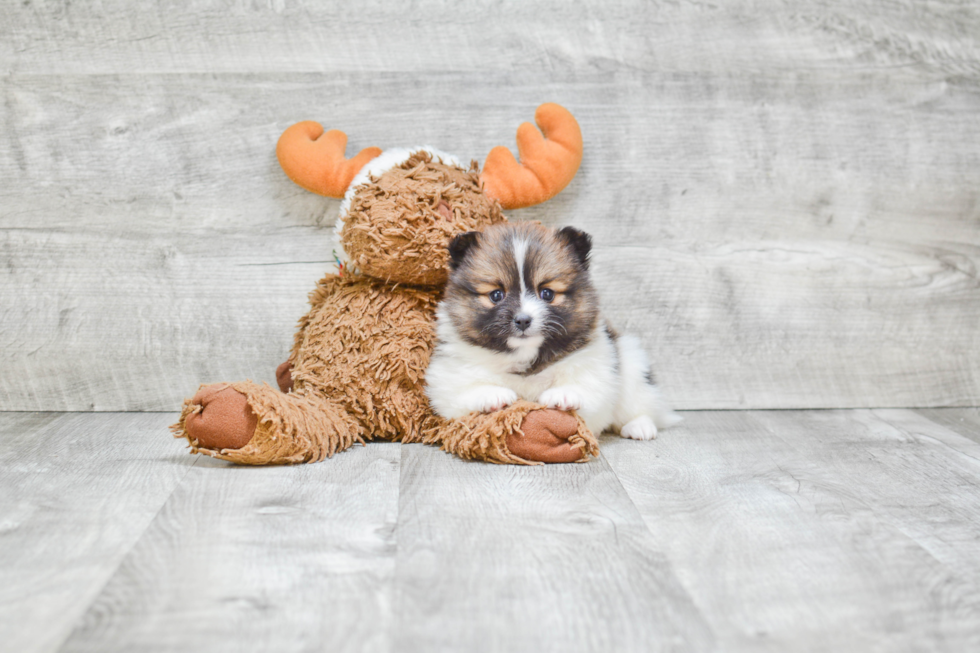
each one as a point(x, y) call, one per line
point(784, 195)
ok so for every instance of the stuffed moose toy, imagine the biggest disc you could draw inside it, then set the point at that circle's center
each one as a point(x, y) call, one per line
point(357, 365)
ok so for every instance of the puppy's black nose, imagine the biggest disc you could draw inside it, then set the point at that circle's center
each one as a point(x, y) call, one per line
point(523, 321)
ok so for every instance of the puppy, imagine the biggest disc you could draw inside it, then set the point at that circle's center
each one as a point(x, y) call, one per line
point(520, 319)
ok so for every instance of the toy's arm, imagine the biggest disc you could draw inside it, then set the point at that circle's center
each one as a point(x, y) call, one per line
point(523, 434)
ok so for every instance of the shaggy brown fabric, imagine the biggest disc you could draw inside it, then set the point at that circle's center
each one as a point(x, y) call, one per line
point(294, 427)
point(356, 369)
point(397, 229)
point(367, 347)
point(546, 436)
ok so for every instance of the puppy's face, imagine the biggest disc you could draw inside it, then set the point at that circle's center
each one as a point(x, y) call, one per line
point(522, 287)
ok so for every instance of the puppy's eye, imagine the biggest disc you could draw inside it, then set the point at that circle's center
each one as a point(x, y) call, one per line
point(547, 294)
point(496, 296)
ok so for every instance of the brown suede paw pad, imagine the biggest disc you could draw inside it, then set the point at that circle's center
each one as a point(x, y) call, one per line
point(545, 438)
point(224, 420)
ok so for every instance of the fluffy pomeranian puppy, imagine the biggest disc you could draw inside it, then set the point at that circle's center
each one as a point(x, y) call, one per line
point(520, 319)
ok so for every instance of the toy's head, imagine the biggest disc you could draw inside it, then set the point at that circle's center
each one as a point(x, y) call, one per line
point(402, 207)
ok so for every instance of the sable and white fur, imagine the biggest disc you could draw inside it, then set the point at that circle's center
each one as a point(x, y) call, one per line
point(520, 319)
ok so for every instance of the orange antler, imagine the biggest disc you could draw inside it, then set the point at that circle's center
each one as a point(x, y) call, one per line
point(548, 162)
point(315, 160)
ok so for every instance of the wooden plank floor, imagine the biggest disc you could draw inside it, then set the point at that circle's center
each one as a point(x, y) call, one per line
point(735, 531)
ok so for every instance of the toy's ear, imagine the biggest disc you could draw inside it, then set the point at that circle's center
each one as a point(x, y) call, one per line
point(579, 242)
point(315, 160)
point(547, 164)
point(460, 245)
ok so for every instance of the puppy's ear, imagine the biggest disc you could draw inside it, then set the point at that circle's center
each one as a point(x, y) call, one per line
point(579, 242)
point(459, 245)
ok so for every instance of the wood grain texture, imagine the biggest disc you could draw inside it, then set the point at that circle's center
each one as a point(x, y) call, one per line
point(781, 194)
point(852, 530)
point(963, 421)
point(76, 493)
point(259, 559)
point(141, 320)
point(281, 36)
point(556, 558)
point(830, 530)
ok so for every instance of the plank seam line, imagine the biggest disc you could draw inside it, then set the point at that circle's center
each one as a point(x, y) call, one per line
point(122, 558)
point(394, 621)
point(629, 498)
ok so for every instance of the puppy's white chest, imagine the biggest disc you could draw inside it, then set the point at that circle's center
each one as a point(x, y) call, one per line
point(530, 387)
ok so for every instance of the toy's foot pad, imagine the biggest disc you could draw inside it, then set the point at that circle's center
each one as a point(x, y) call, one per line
point(545, 439)
point(284, 376)
point(224, 420)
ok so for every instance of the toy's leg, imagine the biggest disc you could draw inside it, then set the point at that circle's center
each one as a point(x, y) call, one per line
point(523, 433)
point(256, 425)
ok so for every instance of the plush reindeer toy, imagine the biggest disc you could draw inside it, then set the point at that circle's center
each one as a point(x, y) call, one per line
point(356, 369)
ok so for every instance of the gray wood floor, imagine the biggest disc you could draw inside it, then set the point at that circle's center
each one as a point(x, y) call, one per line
point(781, 531)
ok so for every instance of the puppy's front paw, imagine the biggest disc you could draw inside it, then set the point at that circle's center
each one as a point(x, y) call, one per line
point(641, 428)
point(488, 399)
point(562, 398)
